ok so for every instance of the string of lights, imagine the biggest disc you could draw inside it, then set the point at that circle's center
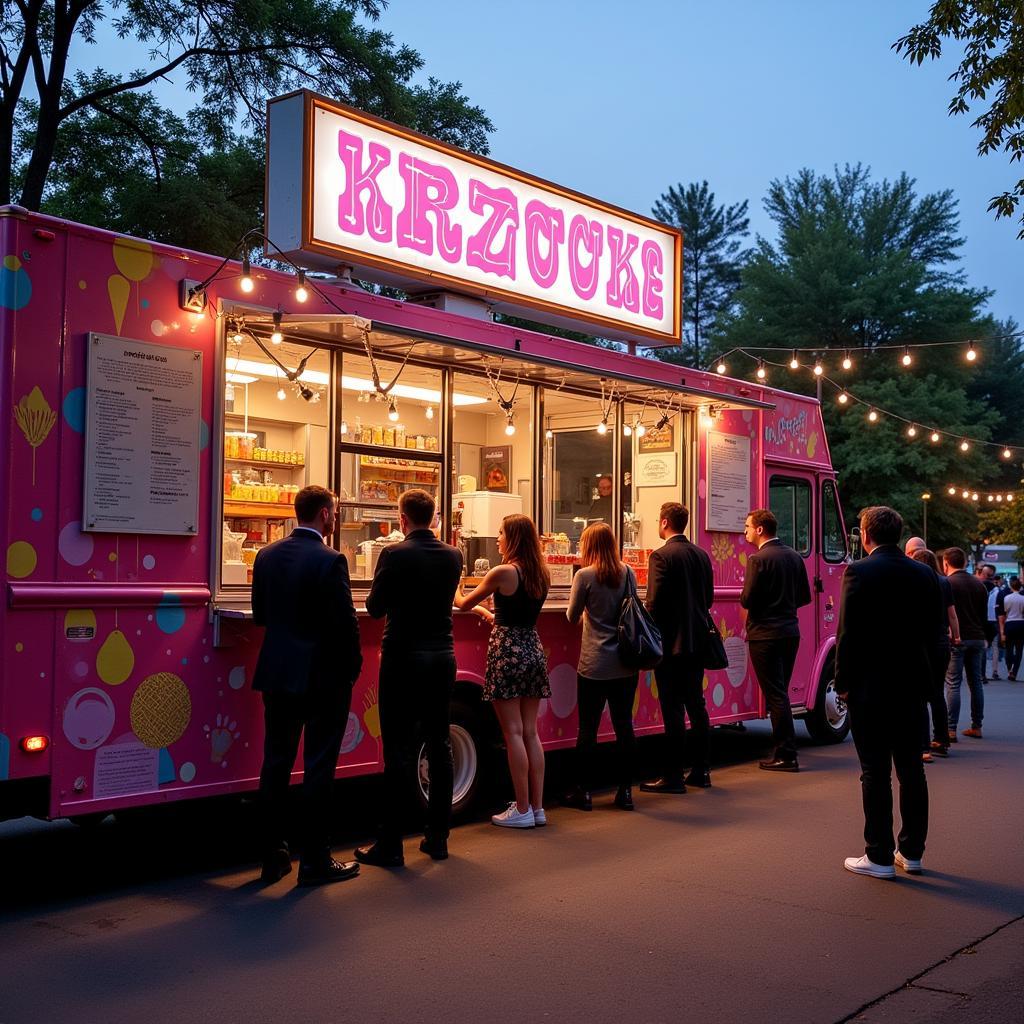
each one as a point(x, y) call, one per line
point(970, 494)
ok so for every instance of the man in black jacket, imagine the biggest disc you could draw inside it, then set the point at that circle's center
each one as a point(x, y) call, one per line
point(890, 618)
point(680, 591)
point(307, 666)
point(414, 586)
point(774, 587)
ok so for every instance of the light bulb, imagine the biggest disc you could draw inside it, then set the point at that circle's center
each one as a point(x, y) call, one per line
point(1009, 497)
point(965, 494)
point(430, 412)
point(393, 412)
point(991, 497)
point(245, 282)
point(970, 354)
point(237, 338)
point(549, 434)
point(818, 368)
point(301, 291)
point(911, 431)
point(794, 363)
point(282, 394)
point(602, 427)
point(843, 398)
point(510, 427)
point(907, 358)
point(872, 416)
point(761, 371)
point(627, 430)
point(935, 437)
point(964, 446)
point(229, 392)
point(640, 430)
point(847, 361)
point(344, 428)
point(277, 337)
point(974, 496)
point(720, 368)
point(999, 497)
point(1007, 453)
point(952, 490)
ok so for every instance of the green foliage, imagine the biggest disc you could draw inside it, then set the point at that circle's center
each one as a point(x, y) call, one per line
point(712, 258)
point(1004, 525)
point(991, 71)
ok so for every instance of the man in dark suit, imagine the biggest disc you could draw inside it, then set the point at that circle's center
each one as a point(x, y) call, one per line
point(308, 663)
point(890, 615)
point(414, 586)
point(774, 587)
point(680, 590)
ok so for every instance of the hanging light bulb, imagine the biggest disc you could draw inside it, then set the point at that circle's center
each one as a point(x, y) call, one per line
point(964, 446)
point(237, 337)
point(970, 355)
point(873, 416)
point(602, 427)
point(911, 431)
point(640, 429)
point(999, 497)
point(843, 398)
point(229, 392)
point(1007, 454)
point(301, 291)
point(935, 437)
point(847, 361)
point(344, 427)
point(952, 490)
point(706, 419)
point(794, 363)
point(907, 357)
point(974, 496)
point(549, 434)
point(245, 282)
point(282, 394)
point(818, 368)
point(991, 497)
point(430, 412)
point(1009, 497)
point(721, 367)
point(392, 411)
point(627, 430)
point(277, 337)
point(965, 494)
point(761, 371)
point(510, 426)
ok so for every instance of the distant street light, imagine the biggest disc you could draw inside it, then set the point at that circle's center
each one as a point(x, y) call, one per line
point(925, 498)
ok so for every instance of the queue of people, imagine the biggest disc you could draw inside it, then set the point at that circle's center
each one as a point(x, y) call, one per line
point(310, 659)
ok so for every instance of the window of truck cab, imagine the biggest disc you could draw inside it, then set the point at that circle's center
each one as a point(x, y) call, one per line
point(789, 499)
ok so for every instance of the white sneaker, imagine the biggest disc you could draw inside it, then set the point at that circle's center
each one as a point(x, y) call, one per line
point(912, 867)
point(863, 866)
point(540, 819)
point(512, 817)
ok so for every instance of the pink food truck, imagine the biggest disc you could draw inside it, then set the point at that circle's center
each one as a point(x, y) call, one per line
point(160, 409)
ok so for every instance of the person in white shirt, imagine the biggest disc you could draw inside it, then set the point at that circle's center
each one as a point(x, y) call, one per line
point(996, 644)
point(1011, 628)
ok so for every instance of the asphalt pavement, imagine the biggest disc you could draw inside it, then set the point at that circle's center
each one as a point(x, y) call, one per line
point(726, 905)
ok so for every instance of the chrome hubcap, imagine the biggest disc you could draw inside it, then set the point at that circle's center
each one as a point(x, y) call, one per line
point(465, 764)
point(835, 706)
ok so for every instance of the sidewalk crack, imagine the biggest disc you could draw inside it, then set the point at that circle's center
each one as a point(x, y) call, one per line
point(944, 991)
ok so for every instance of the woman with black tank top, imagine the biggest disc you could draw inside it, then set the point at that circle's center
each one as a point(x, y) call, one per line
point(516, 678)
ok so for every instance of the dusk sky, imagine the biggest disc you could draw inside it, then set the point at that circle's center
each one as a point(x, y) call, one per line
point(620, 101)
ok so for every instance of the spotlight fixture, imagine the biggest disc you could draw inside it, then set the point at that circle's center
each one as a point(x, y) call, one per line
point(970, 355)
point(907, 358)
point(847, 361)
point(301, 291)
point(794, 363)
point(392, 411)
point(245, 282)
point(761, 371)
point(277, 337)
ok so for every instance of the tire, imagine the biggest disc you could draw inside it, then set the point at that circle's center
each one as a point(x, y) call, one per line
point(829, 720)
point(469, 752)
point(89, 821)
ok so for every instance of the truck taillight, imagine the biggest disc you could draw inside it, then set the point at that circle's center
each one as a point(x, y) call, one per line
point(34, 744)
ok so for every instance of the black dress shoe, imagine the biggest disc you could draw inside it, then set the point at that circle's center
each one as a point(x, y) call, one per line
point(379, 856)
point(276, 865)
point(701, 780)
point(663, 786)
point(778, 764)
point(580, 799)
point(437, 848)
point(624, 798)
point(324, 874)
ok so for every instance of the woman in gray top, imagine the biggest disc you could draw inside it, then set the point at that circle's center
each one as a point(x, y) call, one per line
point(598, 590)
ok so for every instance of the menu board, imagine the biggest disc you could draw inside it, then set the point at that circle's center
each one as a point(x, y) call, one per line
point(142, 437)
point(728, 481)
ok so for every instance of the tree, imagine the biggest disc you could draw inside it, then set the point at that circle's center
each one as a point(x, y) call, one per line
point(234, 54)
point(1005, 524)
point(991, 70)
point(712, 257)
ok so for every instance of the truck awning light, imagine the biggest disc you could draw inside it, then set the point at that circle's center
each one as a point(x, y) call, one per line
point(34, 744)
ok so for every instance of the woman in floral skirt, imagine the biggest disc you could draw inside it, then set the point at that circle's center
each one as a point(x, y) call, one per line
point(517, 672)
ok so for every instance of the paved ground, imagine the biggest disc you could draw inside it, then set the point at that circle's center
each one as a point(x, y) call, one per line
point(726, 905)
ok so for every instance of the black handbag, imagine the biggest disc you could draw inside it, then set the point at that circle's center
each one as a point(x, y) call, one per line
point(714, 653)
point(640, 645)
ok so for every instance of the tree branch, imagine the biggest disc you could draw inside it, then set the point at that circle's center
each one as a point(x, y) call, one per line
point(133, 127)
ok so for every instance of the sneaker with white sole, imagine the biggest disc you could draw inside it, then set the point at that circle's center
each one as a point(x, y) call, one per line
point(911, 866)
point(864, 866)
point(540, 819)
point(512, 817)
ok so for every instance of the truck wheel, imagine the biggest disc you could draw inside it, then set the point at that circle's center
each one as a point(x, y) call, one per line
point(829, 720)
point(468, 754)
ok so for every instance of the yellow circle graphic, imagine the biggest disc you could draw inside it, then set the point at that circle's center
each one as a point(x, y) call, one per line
point(115, 659)
point(133, 258)
point(12, 263)
point(161, 709)
point(21, 559)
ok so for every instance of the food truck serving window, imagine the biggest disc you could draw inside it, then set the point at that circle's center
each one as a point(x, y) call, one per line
point(790, 500)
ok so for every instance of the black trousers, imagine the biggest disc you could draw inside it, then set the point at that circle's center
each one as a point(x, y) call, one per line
point(323, 716)
point(591, 697)
point(773, 662)
point(415, 704)
point(681, 694)
point(888, 737)
point(939, 717)
point(1014, 646)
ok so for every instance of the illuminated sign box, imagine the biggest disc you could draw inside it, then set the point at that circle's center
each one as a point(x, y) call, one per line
point(344, 187)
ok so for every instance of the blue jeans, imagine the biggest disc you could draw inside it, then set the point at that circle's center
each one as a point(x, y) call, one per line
point(967, 655)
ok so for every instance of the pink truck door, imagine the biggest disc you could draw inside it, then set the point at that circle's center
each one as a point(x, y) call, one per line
point(791, 496)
